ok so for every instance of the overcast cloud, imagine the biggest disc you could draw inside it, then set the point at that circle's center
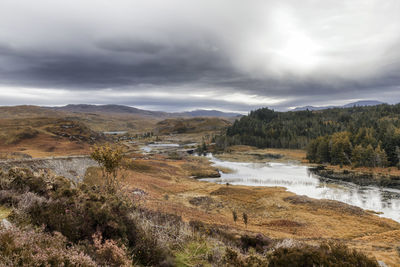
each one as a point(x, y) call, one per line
point(178, 55)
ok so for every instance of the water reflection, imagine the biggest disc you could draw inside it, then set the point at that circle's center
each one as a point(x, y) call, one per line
point(298, 179)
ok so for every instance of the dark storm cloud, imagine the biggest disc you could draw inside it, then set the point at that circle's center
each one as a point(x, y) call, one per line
point(233, 55)
point(121, 65)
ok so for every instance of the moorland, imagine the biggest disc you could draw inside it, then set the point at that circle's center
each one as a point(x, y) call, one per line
point(159, 212)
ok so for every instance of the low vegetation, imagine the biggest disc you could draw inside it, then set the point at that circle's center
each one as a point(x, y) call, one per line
point(58, 223)
point(17, 135)
point(328, 254)
point(104, 223)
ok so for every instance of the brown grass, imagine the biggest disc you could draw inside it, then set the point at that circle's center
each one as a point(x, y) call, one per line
point(379, 171)
point(42, 137)
point(272, 211)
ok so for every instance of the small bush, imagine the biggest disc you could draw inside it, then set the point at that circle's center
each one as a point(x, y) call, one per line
point(245, 218)
point(234, 216)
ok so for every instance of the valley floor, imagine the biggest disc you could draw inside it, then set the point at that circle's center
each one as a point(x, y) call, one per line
point(165, 185)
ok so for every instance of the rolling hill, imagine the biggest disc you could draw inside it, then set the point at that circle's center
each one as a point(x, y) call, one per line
point(121, 109)
point(363, 103)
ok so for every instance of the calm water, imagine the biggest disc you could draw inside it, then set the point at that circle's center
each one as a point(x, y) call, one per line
point(297, 179)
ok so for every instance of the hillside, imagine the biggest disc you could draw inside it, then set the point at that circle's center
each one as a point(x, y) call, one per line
point(110, 109)
point(190, 125)
point(25, 111)
point(38, 137)
point(207, 113)
point(121, 109)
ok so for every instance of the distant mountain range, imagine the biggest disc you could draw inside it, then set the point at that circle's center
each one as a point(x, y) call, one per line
point(208, 113)
point(121, 109)
point(349, 105)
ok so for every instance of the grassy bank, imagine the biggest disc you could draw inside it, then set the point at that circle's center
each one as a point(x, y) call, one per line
point(253, 154)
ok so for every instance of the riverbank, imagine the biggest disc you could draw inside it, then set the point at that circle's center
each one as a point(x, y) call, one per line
point(361, 177)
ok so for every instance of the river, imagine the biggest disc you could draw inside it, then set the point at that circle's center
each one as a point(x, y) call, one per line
point(297, 179)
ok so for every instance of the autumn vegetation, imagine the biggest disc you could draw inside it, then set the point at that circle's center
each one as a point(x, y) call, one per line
point(359, 136)
point(55, 222)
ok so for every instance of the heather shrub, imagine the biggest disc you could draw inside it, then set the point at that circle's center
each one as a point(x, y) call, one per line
point(328, 254)
point(81, 215)
point(79, 212)
point(108, 253)
point(35, 248)
point(24, 180)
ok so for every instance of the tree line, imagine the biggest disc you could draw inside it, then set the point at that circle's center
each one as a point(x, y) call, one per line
point(362, 136)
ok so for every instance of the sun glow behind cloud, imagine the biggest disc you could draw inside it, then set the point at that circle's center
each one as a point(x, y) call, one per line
point(295, 51)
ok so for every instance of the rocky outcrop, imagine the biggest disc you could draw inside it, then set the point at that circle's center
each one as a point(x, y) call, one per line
point(71, 167)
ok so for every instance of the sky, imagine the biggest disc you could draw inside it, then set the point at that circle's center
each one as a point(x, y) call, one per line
point(176, 55)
